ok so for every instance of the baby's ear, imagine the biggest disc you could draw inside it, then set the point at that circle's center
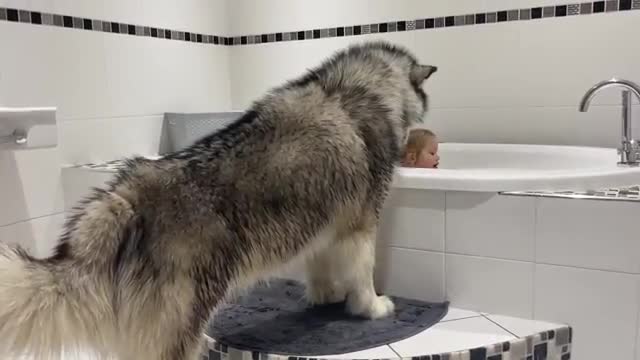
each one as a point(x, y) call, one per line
point(420, 73)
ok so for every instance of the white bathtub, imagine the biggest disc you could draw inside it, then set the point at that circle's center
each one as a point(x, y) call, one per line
point(498, 167)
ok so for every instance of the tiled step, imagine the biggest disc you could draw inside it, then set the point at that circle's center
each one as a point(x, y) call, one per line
point(461, 335)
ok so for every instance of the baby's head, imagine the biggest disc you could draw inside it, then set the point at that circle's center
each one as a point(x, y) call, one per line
point(421, 150)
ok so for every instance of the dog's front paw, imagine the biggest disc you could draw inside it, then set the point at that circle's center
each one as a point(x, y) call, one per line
point(376, 308)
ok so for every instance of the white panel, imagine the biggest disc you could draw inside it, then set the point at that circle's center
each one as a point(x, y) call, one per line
point(413, 219)
point(30, 184)
point(486, 224)
point(411, 274)
point(490, 285)
point(602, 308)
point(588, 233)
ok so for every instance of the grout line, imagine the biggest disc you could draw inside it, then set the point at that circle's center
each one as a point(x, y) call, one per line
point(444, 258)
point(394, 351)
point(80, 118)
point(535, 256)
point(502, 327)
point(514, 261)
point(462, 318)
point(31, 219)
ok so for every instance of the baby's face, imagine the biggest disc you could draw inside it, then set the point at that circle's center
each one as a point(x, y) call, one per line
point(429, 157)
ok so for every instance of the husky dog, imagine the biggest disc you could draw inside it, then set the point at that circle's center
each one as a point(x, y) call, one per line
point(145, 261)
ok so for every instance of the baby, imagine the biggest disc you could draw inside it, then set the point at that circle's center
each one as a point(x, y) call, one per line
point(421, 150)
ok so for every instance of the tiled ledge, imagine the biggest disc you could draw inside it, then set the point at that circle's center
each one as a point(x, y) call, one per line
point(461, 335)
point(631, 193)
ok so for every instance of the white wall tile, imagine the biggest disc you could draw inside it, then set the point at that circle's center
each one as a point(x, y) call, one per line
point(522, 327)
point(529, 125)
point(27, 64)
point(38, 236)
point(563, 57)
point(490, 285)
point(279, 62)
point(31, 185)
point(153, 76)
point(36, 5)
point(411, 274)
point(100, 140)
point(254, 16)
point(207, 16)
point(476, 68)
point(452, 336)
point(602, 307)
point(588, 233)
point(413, 219)
point(77, 183)
point(457, 314)
point(486, 224)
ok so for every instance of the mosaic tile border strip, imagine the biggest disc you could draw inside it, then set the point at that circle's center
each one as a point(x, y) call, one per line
point(533, 13)
point(80, 23)
point(548, 345)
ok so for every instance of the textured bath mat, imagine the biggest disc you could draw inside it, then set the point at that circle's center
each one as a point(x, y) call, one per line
point(275, 319)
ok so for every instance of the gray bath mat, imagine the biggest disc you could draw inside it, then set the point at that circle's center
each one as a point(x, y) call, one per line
point(275, 319)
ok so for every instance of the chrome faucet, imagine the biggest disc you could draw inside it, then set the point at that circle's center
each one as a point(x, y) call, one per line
point(629, 148)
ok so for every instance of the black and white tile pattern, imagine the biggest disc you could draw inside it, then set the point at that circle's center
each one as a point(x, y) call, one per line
point(507, 15)
point(547, 345)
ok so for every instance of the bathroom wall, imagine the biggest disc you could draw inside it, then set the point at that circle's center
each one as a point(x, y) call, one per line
point(569, 261)
point(516, 82)
point(110, 91)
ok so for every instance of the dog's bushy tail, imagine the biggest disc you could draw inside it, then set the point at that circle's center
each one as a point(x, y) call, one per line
point(50, 306)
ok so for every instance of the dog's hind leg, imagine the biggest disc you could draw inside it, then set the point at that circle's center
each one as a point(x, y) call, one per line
point(344, 270)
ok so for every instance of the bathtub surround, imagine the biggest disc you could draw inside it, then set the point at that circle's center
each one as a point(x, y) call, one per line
point(462, 335)
point(452, 20)
point(537, 257)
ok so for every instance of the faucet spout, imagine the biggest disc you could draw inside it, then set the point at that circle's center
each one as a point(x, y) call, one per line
point(591, 93)
point(630, 149)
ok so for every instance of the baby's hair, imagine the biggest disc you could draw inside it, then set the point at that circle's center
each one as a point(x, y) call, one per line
point(417, 140)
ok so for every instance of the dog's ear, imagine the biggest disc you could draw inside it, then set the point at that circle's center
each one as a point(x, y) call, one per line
point(420, 73)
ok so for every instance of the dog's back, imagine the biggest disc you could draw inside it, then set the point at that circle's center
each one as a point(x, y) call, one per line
point(302, 174)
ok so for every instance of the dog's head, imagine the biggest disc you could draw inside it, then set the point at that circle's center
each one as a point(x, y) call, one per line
point(414, 99)
point(418, 103)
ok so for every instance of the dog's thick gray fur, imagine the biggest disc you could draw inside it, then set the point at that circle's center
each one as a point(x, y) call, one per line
point(144, 262)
